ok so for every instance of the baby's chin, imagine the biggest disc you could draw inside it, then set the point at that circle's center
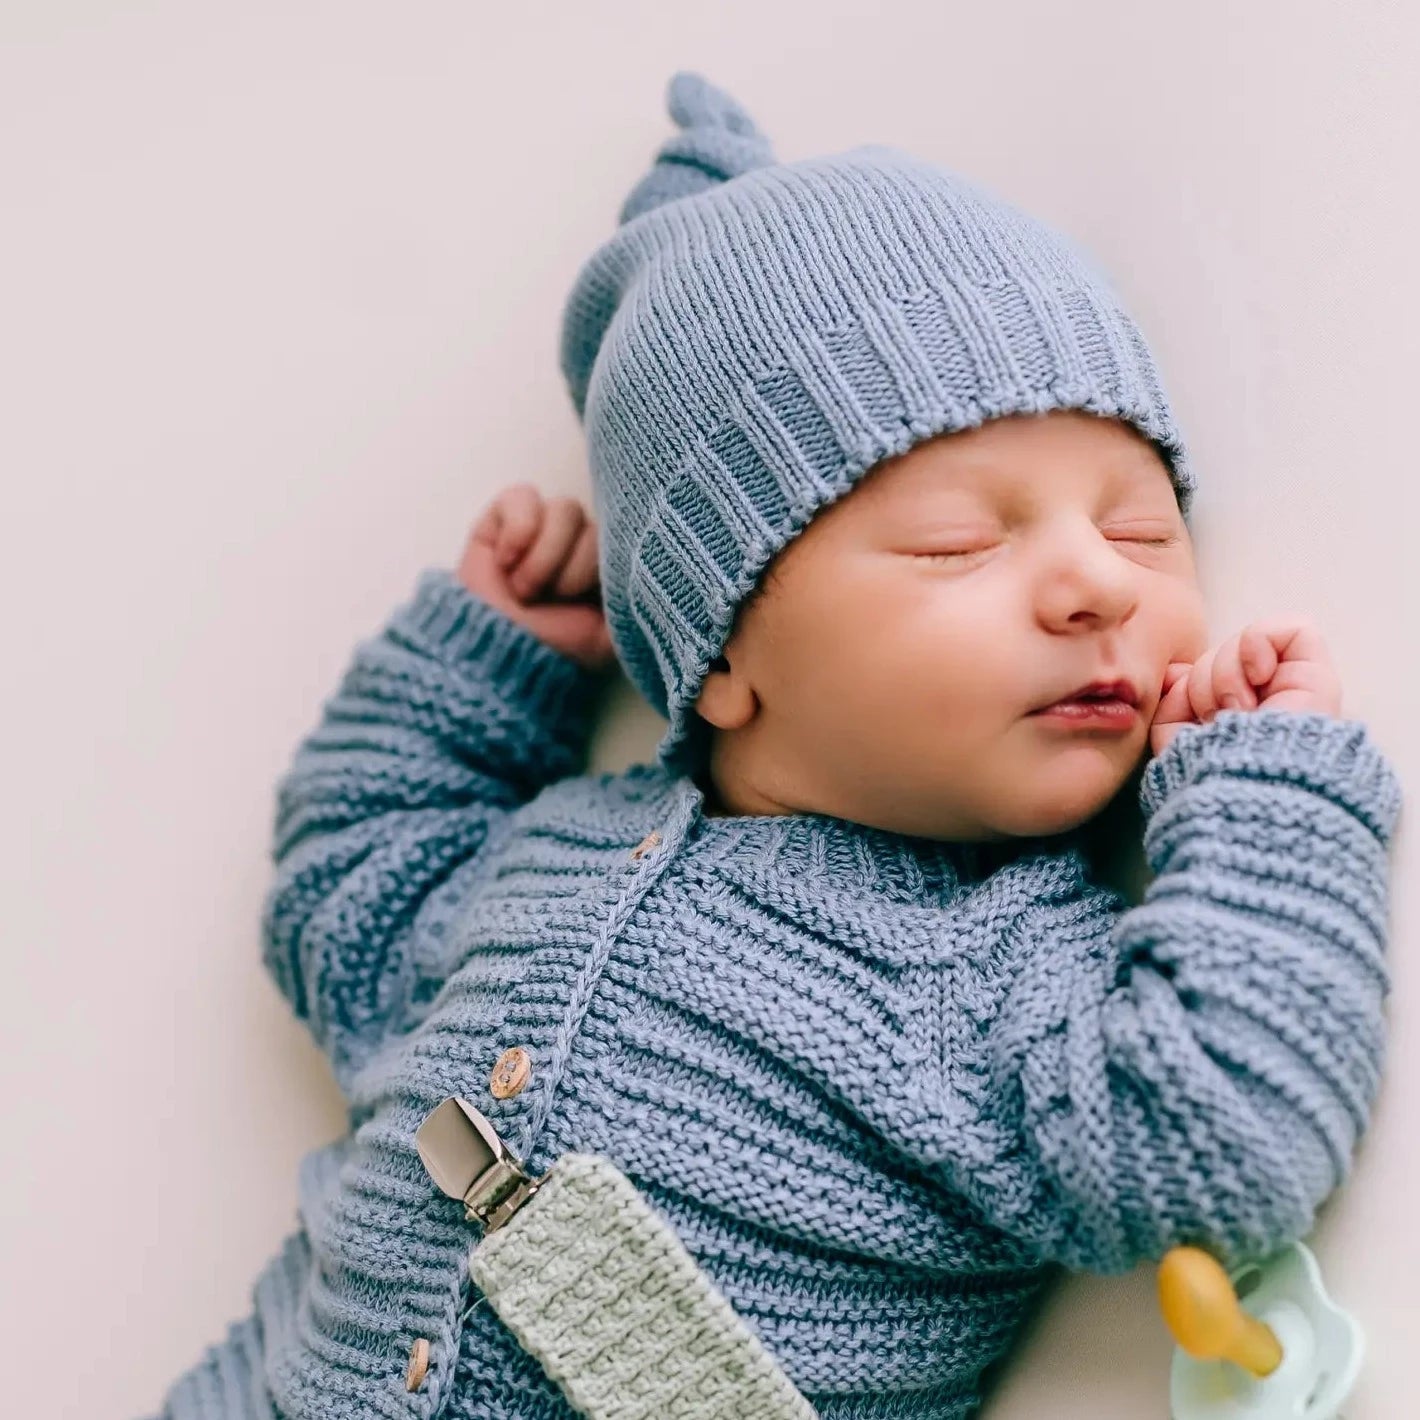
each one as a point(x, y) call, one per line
point(1057, 799)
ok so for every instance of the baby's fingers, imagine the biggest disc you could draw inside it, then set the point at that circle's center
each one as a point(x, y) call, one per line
point(1174, 709)
point(561, 526)
point(1200, 687)
point(510, 523)
point(1257, 655)
point(580, 573)
point(1231, 688)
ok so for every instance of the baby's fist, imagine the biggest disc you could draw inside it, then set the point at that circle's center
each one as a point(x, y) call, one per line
point(535, 560)
point(1269, 665)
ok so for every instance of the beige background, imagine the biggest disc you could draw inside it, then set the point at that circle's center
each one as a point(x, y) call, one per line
point(279, 294)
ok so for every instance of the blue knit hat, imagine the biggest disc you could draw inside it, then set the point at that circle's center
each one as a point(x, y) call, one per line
point(758, 335)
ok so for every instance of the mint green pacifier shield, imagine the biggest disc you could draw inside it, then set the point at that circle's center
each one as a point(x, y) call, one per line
point(1322, 1349)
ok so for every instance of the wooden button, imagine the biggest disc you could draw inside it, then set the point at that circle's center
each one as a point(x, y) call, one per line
point(646, 844)
point(511, 1073)
point(418, 1364)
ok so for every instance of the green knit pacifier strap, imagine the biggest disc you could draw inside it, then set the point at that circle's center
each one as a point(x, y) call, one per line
point(593, 1283)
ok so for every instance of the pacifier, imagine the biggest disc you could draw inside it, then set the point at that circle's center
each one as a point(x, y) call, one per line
point(1264, 1343)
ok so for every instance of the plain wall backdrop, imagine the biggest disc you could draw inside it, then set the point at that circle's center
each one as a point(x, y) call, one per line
point(280, 286)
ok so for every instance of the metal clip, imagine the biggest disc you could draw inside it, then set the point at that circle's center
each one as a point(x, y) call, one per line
point(468, 1161)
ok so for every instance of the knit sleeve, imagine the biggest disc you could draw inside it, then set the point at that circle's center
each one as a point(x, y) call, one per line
point(442, 725)
point(1200, 1067)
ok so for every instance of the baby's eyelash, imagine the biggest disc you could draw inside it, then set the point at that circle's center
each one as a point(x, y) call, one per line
point(972, 551)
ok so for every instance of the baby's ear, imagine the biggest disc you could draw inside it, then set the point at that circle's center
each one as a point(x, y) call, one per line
point(725, 699)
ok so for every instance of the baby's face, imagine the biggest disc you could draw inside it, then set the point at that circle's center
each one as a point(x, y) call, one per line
point(887, 670)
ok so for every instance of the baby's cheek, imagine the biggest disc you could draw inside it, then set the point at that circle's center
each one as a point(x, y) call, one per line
point(1187, 637)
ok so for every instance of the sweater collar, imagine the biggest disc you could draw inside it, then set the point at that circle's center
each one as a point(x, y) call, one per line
point(842, 853)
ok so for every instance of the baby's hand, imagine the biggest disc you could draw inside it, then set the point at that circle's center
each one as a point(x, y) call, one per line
point(1271, 665)
point(535, 560)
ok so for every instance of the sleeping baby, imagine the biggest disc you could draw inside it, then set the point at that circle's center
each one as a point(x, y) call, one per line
point(891, 524)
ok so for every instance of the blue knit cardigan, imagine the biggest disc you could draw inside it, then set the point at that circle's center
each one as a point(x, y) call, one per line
point(881, 1086)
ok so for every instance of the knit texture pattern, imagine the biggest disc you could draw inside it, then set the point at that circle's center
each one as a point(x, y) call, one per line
point(879, 1087)
point(593, 1283)
point(756, 336)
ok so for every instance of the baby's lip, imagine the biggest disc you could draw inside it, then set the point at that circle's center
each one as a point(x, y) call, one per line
point(1104, 688)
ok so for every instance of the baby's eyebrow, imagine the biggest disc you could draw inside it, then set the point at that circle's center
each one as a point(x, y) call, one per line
point(998, 479)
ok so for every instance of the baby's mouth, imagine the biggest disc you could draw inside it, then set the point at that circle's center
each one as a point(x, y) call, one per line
point(1095, 712)
point(1103, 692)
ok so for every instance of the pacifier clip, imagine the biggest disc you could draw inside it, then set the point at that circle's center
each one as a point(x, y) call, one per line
point(597, 1287)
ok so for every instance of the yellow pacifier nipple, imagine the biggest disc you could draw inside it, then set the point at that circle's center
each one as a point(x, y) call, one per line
point(1290, 1353)
point(1202, 1311)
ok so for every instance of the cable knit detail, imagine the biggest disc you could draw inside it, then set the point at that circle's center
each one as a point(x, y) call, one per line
point(877, 1086)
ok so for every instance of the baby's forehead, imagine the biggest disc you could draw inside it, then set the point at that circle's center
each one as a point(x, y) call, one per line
point(997, 476)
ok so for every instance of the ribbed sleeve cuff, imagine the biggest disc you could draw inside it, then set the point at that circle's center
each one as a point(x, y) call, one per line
point(468, 634)
point(1331, 756)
